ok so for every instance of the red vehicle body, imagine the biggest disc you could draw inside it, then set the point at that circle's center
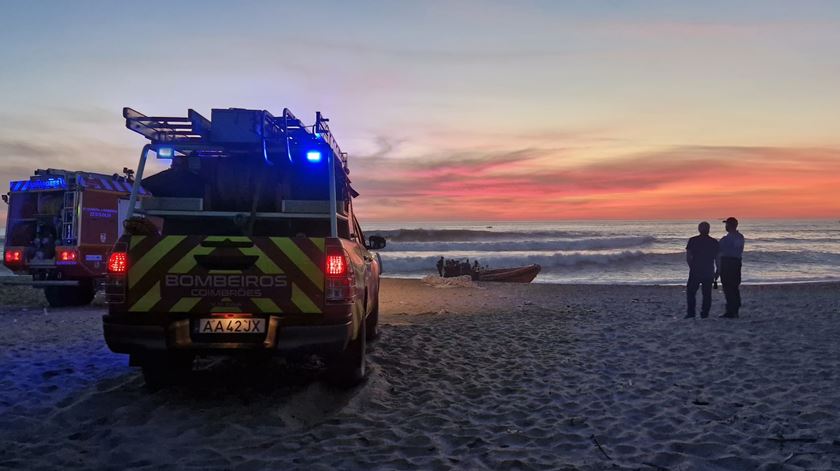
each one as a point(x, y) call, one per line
point(60, 228)
point(258, 251)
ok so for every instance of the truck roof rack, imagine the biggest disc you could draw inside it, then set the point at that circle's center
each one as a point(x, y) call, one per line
point(197, 135)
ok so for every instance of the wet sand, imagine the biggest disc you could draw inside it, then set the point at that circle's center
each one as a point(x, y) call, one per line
point(483, 377)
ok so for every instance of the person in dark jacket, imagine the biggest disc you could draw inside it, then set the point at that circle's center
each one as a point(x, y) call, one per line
point(729, 267)
point(440, 263)
point(701, 254)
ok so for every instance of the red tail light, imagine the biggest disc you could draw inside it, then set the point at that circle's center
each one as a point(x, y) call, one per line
point(13, 257)
point(336, 265)
point(65, 255)
point(340, 284)
point(118, 263)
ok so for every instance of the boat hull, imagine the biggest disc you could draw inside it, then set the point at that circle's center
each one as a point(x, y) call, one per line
point(510, 275)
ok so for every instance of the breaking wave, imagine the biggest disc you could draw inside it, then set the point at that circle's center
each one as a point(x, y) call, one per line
point(456, 235)
point(415, 264)
point(395, 263)
point(523, 246)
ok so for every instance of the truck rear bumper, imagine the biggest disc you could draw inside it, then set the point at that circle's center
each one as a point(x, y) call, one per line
point(132, 338)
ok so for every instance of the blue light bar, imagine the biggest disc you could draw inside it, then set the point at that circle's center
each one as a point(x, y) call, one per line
point(50, 183)
point(165, 152)
point(313, 156)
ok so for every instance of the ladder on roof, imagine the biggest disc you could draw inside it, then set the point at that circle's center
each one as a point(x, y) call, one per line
point(193, 136)
point(68, 216)
point(162, 129)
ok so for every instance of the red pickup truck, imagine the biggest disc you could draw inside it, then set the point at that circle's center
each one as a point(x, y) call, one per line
point(257, 248)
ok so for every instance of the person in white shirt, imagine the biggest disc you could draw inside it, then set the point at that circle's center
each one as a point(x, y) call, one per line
point(731, 252)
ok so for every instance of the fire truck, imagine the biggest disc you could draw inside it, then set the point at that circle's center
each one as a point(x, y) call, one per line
point(60, 228)
point(257, 249)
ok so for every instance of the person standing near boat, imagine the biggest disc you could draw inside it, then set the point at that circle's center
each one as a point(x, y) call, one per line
point(701, 254)
point(729, 267)
point(440, 264)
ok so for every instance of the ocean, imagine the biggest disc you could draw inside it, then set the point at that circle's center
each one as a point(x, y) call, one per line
point(612, 252)
point(609, 252)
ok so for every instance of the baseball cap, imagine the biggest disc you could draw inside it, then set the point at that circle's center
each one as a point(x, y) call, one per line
point(730, 219)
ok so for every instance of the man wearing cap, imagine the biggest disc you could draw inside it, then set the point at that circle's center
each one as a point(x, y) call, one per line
point(729, 266)
point(701, 254)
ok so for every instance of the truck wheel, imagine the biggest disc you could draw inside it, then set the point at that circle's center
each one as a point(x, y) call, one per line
point(348, 368)
point(162, 370)
point(62, 296)
point(84, 293)
point(56, 296)
point(372, 327)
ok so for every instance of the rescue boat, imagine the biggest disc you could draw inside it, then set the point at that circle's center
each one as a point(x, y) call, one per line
point(510, 275)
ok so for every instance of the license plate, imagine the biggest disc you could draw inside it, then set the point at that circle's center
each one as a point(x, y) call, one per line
point(231, 326)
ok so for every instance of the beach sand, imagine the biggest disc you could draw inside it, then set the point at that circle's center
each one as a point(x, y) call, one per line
point(476, 377)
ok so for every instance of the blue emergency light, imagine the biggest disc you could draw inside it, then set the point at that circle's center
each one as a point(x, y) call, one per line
point(313, 156)
point(50, 183)
point(165, 152)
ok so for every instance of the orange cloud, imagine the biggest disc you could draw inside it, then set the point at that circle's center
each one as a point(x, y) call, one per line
point(683, 182)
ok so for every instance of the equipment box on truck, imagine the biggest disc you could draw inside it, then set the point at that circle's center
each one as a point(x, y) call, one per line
point(60, 228)
point(259, 249)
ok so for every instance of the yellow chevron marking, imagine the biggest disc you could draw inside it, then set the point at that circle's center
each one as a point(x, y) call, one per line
point(266, 305)
point(264, 263)
point(319, 242)
point(135, 240)
point(301, 260)
point(145, 303)
point(185, 305)
point(137, 270)
point(302, 301)
point(188, 262)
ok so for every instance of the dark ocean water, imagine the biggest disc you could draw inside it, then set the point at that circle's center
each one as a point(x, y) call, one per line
point(644, 252)
point(627, 252)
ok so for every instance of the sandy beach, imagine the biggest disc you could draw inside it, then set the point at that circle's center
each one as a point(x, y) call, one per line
point(473, 377)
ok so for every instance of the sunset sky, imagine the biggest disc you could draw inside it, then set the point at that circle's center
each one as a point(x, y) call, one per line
point(485, 110)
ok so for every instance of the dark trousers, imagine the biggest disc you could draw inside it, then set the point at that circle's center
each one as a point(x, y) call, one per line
point(730, 277)
point(694, 282)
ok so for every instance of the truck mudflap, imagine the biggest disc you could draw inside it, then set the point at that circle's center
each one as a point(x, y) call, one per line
point(230, 274)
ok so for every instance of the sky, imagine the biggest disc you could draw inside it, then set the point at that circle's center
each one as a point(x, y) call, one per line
point(460, 110)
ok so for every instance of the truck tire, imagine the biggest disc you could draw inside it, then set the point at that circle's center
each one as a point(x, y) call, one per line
point(85, 292)
point(162, 370)
point(348, 368)
point(62, 296)
point(57, 296)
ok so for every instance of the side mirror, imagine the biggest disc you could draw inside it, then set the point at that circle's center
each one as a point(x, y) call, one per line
point(6, 199)
point(376, 242)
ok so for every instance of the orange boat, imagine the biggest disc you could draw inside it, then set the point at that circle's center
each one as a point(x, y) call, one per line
point(509, 275)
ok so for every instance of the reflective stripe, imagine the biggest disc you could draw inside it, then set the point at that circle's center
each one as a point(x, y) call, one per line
point(264, 262)
point(319, 242)
point(152, 258)
point(302, 301)
point(300, 259)
point(266, 305)
point(188, 262)
point(185, 305)
point(139, 268)
point(148, 300)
